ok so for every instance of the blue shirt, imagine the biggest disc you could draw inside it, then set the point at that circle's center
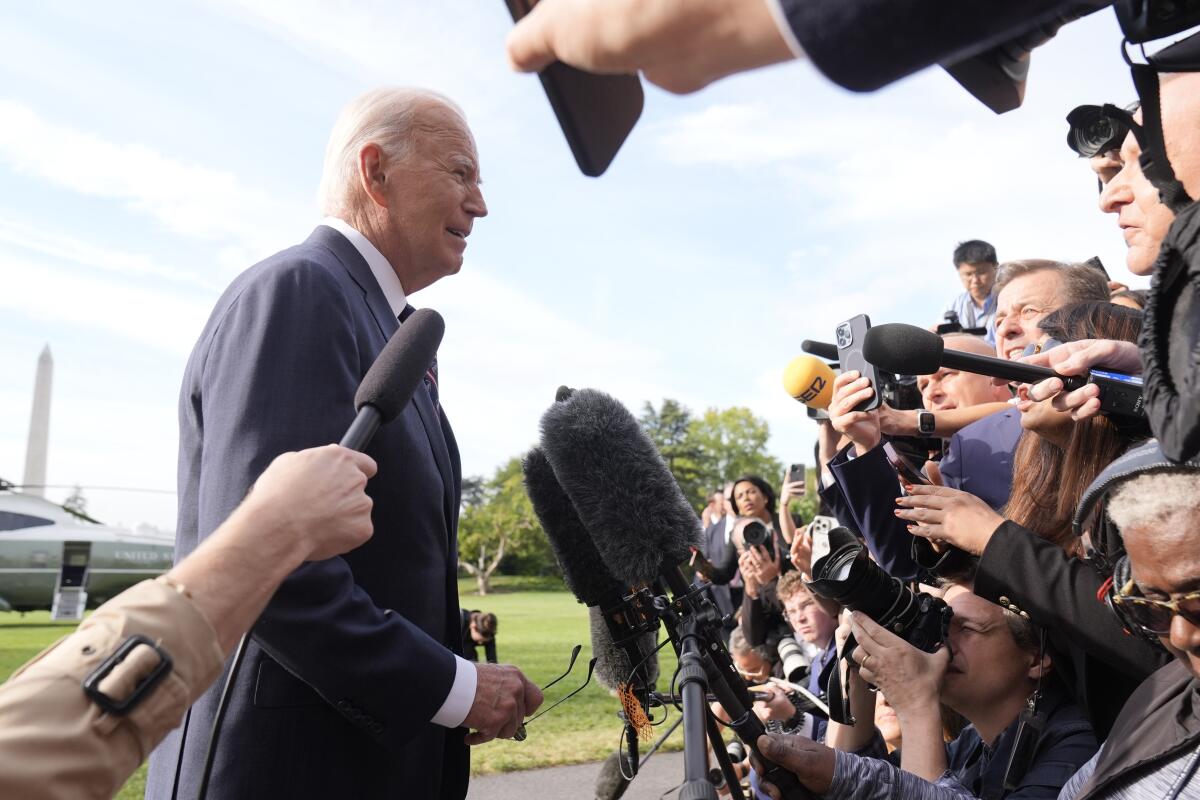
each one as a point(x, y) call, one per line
point(972, 316)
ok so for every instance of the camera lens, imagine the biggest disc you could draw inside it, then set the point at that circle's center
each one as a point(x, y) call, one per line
point(1094, 132)
point(795, 665)
point(755, 534)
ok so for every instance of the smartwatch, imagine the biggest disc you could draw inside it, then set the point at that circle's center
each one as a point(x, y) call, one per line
point(925, 424)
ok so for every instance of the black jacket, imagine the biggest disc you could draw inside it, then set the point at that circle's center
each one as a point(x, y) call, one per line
point(1093, 654)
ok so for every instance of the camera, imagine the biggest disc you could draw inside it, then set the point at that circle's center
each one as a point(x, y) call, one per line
point(845, 336)
point(791, 656)
point(844, 572)
point(757, 533)
point(1098, 129)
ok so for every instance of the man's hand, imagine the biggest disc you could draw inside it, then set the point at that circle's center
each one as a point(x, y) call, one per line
point(316, 496)
point(909, 678)
point(765, 567)
point(680, 45)
point(862, 427)
point(1076, 358)
point(949, 515)
point(503, 698)
point(801, 551)
point(812, 763)
point(776, 707)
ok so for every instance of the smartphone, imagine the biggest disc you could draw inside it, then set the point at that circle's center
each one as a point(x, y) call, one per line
point(850, 336)
point(908, 471)
point(797, 472)
point(596, 112)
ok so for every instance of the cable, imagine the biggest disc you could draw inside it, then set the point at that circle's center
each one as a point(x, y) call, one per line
point(222, 707)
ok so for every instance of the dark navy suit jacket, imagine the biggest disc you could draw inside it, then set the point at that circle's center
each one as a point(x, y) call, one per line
point(353, 656)
point(978, 460)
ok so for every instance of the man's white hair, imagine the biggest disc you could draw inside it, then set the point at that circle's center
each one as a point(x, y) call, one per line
point(1155, 500)
point(389, 117)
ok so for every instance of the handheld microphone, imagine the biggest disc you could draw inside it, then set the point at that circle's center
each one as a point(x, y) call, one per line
point(824, 350)
point(395, 374)
point(809, 380)
point(909, 350)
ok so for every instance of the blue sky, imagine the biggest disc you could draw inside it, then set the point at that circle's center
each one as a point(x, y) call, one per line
point(150, 152)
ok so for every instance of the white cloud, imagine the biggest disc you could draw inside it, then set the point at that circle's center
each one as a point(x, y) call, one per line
point(156, 319)
point(191, 200)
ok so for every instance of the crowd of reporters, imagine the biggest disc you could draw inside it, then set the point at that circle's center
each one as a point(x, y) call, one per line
point(1058, 540)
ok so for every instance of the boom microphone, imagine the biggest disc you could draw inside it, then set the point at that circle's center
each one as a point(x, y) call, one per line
point(809, 380)
point(588, 578)
point(824, 350)
point(395, 374)
point(620, 486)
point(909, 350)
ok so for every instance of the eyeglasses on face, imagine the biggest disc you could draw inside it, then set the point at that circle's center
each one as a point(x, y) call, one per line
point(1154, 616)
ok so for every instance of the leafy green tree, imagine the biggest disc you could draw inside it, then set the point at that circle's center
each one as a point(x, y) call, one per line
point(497, 519)
point(670, 429)
point(732, 442)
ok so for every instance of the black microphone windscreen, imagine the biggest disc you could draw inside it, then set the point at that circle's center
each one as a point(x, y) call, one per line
point(619, 484)
point(583, 570)
point(398, 369)
point(563, 393)
point(824, 350)
point(611, 782)
point(613, 663)
point(903, 349)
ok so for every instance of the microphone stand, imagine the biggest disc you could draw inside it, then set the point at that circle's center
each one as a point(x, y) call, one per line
point(692, 621)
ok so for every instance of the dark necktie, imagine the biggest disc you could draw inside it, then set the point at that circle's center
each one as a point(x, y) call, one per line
point(431, 374)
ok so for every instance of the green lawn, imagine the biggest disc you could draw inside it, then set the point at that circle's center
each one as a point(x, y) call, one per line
point(539, 623)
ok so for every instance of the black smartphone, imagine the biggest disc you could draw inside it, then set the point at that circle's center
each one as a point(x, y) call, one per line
point(797, 472)
point(849, 337)
point(909, 472)
point(596, 112)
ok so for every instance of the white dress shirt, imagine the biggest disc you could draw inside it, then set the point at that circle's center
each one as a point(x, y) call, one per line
point(462, 692)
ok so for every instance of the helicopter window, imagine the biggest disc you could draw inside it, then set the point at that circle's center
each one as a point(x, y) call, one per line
point(11, 521)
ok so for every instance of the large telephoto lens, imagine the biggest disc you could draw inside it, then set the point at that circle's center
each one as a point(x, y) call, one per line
point(848, 576)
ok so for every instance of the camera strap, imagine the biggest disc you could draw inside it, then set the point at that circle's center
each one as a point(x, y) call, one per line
point(1029, 729)
point(1153, 160)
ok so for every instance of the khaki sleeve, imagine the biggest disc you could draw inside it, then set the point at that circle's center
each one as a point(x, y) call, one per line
point(55, 742)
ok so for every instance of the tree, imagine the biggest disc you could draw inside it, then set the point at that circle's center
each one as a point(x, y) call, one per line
point(732, 442)
point(670, 429)
point(497, 519)
point(705, 452)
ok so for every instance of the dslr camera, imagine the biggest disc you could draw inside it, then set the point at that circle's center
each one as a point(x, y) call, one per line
point(844, 572)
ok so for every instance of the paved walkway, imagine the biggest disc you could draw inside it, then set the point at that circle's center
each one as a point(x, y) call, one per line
point(662, 773)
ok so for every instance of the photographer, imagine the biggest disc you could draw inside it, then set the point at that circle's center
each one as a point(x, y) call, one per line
point(478, 630)
point(812, 624)
point(976, 262)
point(1030, 561)
point(990, 670)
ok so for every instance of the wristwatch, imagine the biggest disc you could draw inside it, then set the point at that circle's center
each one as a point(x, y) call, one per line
point(925, 424)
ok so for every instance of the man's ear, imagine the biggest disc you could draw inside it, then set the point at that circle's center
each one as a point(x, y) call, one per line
point(1040, 669)
point(371, 163)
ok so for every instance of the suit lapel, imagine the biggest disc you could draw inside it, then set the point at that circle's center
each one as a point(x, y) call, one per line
point(377, 304)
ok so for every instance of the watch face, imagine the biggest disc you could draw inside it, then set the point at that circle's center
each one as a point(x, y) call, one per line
point(925, 422)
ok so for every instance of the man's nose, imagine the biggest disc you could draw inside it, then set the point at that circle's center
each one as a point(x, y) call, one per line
point(475, 205)
point(1184, 635)
point(1115, 195)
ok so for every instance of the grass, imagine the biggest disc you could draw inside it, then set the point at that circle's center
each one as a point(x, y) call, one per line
point(539, 623)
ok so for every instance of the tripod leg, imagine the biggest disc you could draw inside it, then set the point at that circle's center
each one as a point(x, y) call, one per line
point(718, 746)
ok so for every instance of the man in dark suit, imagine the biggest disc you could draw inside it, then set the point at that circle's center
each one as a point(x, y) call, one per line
point(352, 684)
